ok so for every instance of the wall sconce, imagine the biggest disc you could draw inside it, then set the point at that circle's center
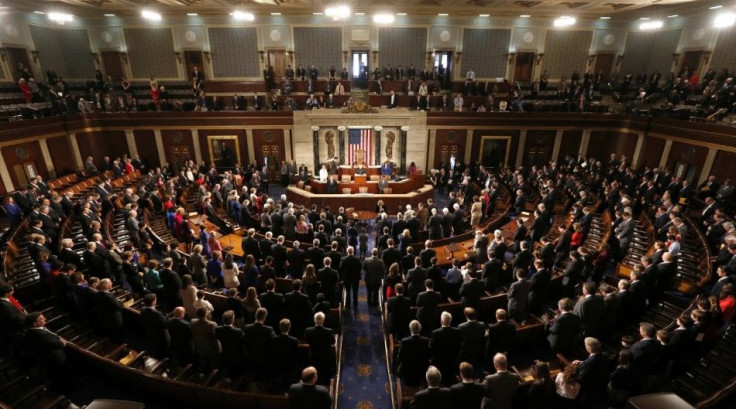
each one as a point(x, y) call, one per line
point(345, 55)
point(263, 55)
point(178, 56)
point(676, 58)
point(457, 56)
point(208, 56)
point(96, 57)
point(35, 54)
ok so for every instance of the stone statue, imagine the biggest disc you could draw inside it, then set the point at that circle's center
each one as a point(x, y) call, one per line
point(390, 145)
point(330, 139)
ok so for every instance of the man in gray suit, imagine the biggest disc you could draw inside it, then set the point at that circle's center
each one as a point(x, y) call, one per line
point(500, 387)
point(374, 271)
point(624, 233)
point(207, 345)
point(590, 309)
point(518, 296)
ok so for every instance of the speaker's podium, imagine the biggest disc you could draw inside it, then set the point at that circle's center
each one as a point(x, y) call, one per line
point(360, 179)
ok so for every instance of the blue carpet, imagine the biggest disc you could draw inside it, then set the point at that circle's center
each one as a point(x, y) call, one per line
point(364, 379)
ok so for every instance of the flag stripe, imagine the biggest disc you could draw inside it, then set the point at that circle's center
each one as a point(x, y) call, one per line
point(360, 139)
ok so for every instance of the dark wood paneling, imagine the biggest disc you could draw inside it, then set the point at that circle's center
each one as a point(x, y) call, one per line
point(538, 147)
point(101, 144)
point(20, 154)
point(603, 143)
point(478, 135)
point(692, 155)
point(570, 144)
point(61, 156)
point(651, 152)
point(261, 141)
point(176, 144)
point(445, 139)
point(242, 142)
point(145, 143)
point(723, 165)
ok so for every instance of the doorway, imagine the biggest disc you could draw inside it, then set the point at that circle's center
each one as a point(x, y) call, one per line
point(443, 59)
point(180, 155)
point(691, 61)
point(524, 67)
point(603, 63)
point(112, 64)
point(278, 60)
point(16, 56)
point(193, 59)
point(359, 68)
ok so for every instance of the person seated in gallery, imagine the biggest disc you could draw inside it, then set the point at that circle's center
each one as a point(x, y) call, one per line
point(332, 185)
point(323, 174)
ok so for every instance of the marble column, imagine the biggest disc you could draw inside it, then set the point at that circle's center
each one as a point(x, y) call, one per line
point(377, 146)
point(402, 147)
point(315, 139)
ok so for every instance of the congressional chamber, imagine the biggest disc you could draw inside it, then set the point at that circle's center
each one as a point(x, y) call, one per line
point(319, 205)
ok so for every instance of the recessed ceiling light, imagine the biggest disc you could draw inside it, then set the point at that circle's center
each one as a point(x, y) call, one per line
point(275, 14)
point(673, 16)
point(400, 14)
point(39, 12)
point(725, 20)
point(109, 15)
point(337, 12)
point(715, 7)
point(384, 18)
point(605, 18)
point(651, 25)
point(442, 14)
point(317, 14)
point(61, 18)
point(192, 14)
point(564, 21)
point(484, 15)
point(241, 15)
point(525, 16)
point(150, 15)
point(644, 18)
point(359, 14)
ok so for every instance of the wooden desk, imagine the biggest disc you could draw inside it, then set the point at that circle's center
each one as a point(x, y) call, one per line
point(349, 170)
point(393, 202)
point(411, 183)
point(362, 215)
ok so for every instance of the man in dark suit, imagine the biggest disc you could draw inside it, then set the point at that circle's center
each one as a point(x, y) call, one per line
point(471, 291)
point(350, 268)
point(374, 272)
point(518, 296)
point(307, 394)
point(467, 393)
point(573, 273)
point(501, 335)
point(458, 220)
point(296, 258)
point(520, 234)
point(434, 397)
point(415, 279)
point(11, 318)
point(647, 352)
point(445, 346)
point(258, 337)
point(399, 313)
point(593, 375)
point(563, 244)
point(45, 347)
point(523, 258)
point(109, 311)
point(172, 284)
point(666, 271)
point(539, 291)
point(273, 302)
point(590, 308)
point(207, 345)
point(427, 311)
point(284, 357)
point(328, 278)
point(472, 335)
point(547, 253)
point(249, 245)
point(298, 308)
point(492, 271)
point(278, 252)
point(414, 355)
point(182, 338)
point(158, 339)
point(447, 221)
point(499, 389)
point(563, 332)
point(427, 254)
point(232, 359)
point(434, 226)
point(321, 342)
point(391, 254)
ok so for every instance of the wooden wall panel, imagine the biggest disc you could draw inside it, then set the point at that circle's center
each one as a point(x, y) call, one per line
point(538, 147)
point(446, 140)
point(102, 143)
point(61, 156)
point(651, 152)
point(16, 156)
point(723, 166)
point(603, 143)
point(570, 145)
point(145, 143)
point(263, 142)
point(242, 143)
point(692, 155)
point(178, 146)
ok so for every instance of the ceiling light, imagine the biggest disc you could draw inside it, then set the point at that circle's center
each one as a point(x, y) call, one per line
point(242, 16)
point(605, 18)
point(383, 18)
point(275, 14)
point(443, 14)
point(317, 14)
point(724, 20)
point(715, 7)
point(39, 12)
point(192, 14)
point(644, 18)
point(400, 14)
point(484, 15)
point(109, 15)
point(150, 15)
point(651, 25)
point(360, 14)
point(564, 21)
point(337, 12)
point(61, 18)
point(525, 16)
point(673, 16)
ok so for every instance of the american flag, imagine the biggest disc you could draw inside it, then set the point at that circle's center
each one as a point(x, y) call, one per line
point(360, 139)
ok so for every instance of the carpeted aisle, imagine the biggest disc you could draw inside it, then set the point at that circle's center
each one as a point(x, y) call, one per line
point(364, 379)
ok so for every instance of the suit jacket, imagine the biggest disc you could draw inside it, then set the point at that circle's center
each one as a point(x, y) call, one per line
point(285, 357)
point(522, 260)
point(157, 332)
point(182, 339)
point(303, 396)
point(499, 390)
point(11, 320)
point(350, 268)
point(257, 342)
point(593, 377)
point(231, 340)
point(415, 279)
point(399, 315)
point(471, 292)
point(432, 398)
point(500, 337)
point(467, 395)
point(445, 347)
point(413, 359)
point(321, 342)
point(590, 309)
point(472, 348)
point(47, 347)
point(374, 271)
point(298, 309)
point(518, 297)
point(203, 332)
point(564, 332)
point(427, 311)
point(274, 303)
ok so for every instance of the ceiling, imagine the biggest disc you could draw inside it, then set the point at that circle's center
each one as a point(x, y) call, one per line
point(584, 9)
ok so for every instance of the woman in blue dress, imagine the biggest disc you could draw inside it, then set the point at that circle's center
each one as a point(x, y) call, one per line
point(204, 239)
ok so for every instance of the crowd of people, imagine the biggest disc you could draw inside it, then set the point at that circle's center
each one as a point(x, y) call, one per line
point(243, 340)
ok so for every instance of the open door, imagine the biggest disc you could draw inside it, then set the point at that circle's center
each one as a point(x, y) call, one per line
point(692, 60)
point(278, 60)
point(17, 57)
point(193, 59)
point(603, 63)
point(524, 67)
point(112, 64)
